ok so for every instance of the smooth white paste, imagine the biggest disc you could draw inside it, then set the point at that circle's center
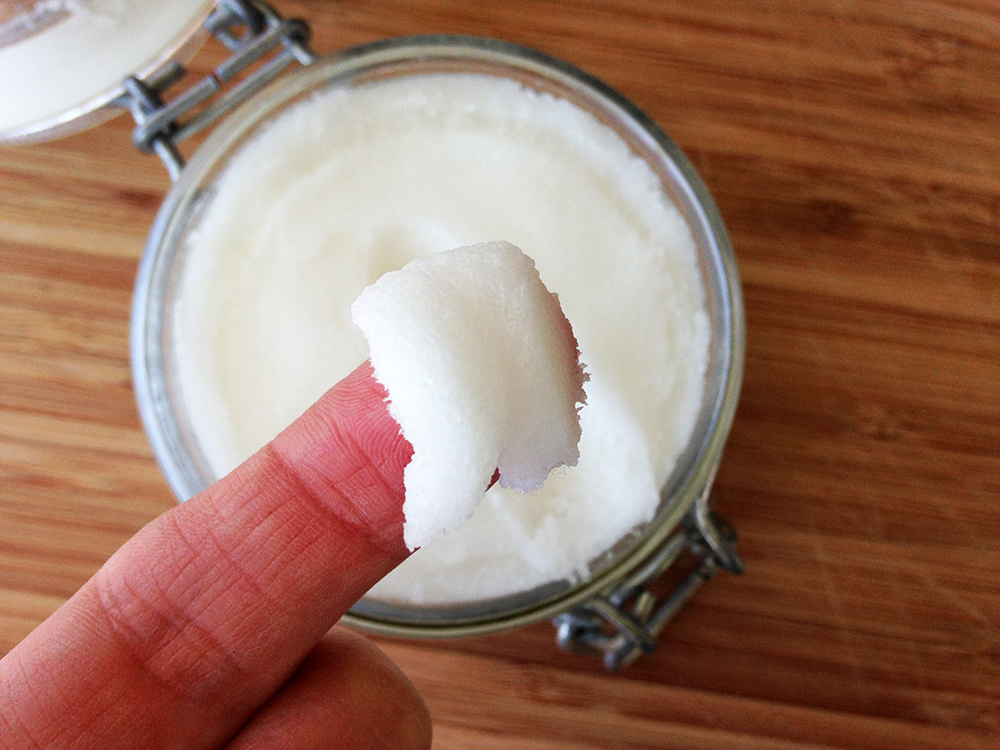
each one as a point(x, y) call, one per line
point(483, 376)
point(85, 55)
point(356, 182)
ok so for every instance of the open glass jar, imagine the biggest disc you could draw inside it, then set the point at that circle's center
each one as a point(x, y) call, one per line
point(609, 608)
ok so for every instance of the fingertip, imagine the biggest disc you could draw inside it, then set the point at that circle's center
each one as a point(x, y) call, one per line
point(349, 450)
point(345, 694)
point(401, 718)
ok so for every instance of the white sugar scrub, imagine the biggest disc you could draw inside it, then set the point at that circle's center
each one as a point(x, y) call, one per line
point(85, 53)
point(482, 373)
point(353, 182)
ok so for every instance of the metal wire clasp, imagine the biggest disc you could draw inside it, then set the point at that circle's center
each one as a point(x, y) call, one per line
point(252, 30)
point(624, 622)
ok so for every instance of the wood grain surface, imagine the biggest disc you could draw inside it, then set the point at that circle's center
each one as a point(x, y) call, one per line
point(853, 147)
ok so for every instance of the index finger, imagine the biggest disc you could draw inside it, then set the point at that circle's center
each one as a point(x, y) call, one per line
point(208, 609)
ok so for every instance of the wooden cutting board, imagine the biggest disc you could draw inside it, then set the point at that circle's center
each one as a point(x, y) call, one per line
point(854, 150)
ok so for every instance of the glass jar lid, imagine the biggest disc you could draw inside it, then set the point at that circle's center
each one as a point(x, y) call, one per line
point(62, 62)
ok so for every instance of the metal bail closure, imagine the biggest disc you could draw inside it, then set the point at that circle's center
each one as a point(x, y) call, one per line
point(624, 621)
point(252, 30)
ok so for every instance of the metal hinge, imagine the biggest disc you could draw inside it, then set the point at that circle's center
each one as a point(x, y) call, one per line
point(252, 30)
point(622, 623)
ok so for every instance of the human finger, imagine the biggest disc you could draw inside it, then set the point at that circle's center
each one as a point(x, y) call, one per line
point(346, 695)
point(200, 617)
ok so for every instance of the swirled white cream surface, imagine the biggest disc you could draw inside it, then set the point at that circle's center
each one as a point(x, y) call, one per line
point(353, 183)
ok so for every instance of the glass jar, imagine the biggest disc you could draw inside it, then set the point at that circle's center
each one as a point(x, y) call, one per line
point(610, 609)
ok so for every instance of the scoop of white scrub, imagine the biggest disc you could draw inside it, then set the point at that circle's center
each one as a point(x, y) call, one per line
point(483, 374)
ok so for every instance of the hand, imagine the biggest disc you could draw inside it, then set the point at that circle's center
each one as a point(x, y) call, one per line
point(209, 628)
